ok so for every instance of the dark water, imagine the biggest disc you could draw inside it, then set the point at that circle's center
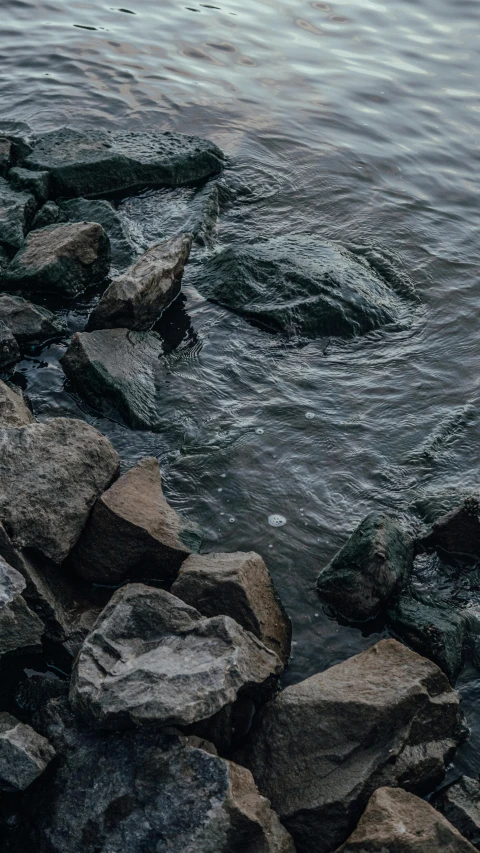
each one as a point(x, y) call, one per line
point(354, 120)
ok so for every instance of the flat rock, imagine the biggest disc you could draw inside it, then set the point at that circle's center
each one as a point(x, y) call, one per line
point(14, 412)
point(25, 180)
point(374, 564)
point(320, 748)
point(136, 299)
point(398, 822)
point(5, 155)
point(29, 323)
point(460, 803)
point(132, 532)
point(16, 213)
point(237, 585)
point(96, 162)
point(49, 214)
point(458, 532)
point(9, 349)
point(52, 473)
point(24, 754)
point(101, 211)
point(20, 628)
point(152, 660)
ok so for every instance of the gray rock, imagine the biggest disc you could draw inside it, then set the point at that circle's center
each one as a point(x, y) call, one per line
point(24, 754)
point(5, 155)
point(49, 214)
point(60, 259)
point(132, 532)
point(29, 323)
point(151, 660)
point(320, 748)
point(16, 213)
point(96, 162)
point(52, 473)
point(237, 585)
point(9, 349)
point(136, 299)
point(14, 412)
point(4, 262)
point(374, 564)
point(98, 210)
point(460, 803)
point(458, 532)
point(36, 183)
point(20, 628)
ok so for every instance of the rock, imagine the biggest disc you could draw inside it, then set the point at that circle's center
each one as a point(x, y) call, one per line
point(460, 803)
point(34, 692)
point(52, 473)
point(96, 162)
point(5, 155)
point(9, 349)
point(398, 822)
point(458, 532)
point(320, 748)
point(4, 262)
point(24, 754)
point(237, 585)
point(60, 259)
point(16, 213)
point(132, 532)
point(14, 412)
point(152, 660)
point(36, 183)
point(98, 210)
point(20, 628)
point(29, 323)
point(49, 214)
point(373, 565)
point(300, 286)
point(136, 299)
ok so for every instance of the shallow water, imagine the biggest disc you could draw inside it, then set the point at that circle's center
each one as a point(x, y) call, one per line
point(354, 120)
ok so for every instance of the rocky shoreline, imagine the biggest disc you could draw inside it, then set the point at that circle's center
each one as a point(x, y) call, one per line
point(162, 725)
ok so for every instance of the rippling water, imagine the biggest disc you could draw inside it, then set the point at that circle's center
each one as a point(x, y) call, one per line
point(354, 120)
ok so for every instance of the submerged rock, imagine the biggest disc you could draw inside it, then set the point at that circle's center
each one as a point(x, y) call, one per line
point(9, 349)
point(24, 754)
point(27, 322)
point(101, 211)
point(458, 532)
point(14, 412)
point(460, 803)
point(16, 213)
point(384, 717)
point(20, 628)
point(24, 180)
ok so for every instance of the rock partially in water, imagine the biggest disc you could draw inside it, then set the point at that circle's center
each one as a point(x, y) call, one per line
point(460, 803)
point(133, 532)
point(27, 322)
point(49, 214)
point(5, 155)
point(101, 211)
point(24, 754)
point(16, 213)
point(458, 532)
point(9, 349)
point(14, 412)
point(96, 162)
point(36, 183)
point(384, 717)
point(60, 259)
point(237, 585)
point(20, 628)
point(374, 564)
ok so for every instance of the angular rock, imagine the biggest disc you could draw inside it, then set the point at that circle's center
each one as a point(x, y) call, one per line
point(52, 473)
point(36, 183)
point(14, 412)
point(133, 532)
point(458, 532)
point(20, 628)
point(237, 585)
point(16, 213)
point(60, 259)
point(29, 323)
point(320, 748)
point(24, 754)
point(373, 565)
point(398, 822)
point(460, 803)
point(5, 155)
point(151, 660)
point(136, 299)
point(96, 162)
point(98, 210)
point(49, 214)
point(9, 349)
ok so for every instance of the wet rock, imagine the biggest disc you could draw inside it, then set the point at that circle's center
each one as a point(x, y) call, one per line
point(60, 259)
point(136, 299)
point(5, 155)
point(36, 183)
point(373, 565)
point(16, 213)
point(98, 210)
point(237, 585)
point(460, 803)
point(52, 473)
point(153, 660)
point(24, 754)
point(49, 214)
point(9, 349)
point(20, 628)
point(320, 748)
point(96, 162)
point(398, 822)
point(29, 323)
point(458, 532)
point(133, 532)
point(14, 412)
point(300, 286)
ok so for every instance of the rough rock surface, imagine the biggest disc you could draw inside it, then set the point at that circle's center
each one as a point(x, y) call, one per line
point(60, 259)
point(49, 214)
point(29, 323)
point(237, 585)
point(460, 803)
point(96, 162)
point(136, 299)
point(16, 213)
point(320, 748)
point(52, 473)
point(133, 532)
point(24, 180)
point(153, 660)
point(458, 532)
point(5, 155)
point(14, 412)
point(101, 211)
point(20, 628)
point(24, 754)
point(374, 563)
point(398, 822)
point(9, 349)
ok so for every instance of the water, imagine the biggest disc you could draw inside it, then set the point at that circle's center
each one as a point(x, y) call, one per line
point(357, 121)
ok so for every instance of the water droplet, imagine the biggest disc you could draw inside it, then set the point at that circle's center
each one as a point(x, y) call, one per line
point(276, 520)
point(231, 520)
point(309, 416)
point(259, 431)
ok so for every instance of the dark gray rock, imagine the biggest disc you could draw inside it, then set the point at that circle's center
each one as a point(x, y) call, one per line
point(27, 322)
point(9, 349)
point(16, 213)
point(98, 210)
point(458, 532)
point(5, 155)
point(60, 259)
point(460, 803)
point(20, 628)
point(36, 183)
point(49, 214)
point(24, 754)
point(4, 261)
point(374, 564)
point(33, 693)
point(96, 162)
point(14, 412)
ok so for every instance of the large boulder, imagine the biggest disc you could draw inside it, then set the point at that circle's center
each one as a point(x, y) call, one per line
point(9, 349)
point(101, 211)
point(398, 822)
point(237, 585)
point(374, 563)
point(29, 323)
point(52, 473)
point(457, 532)
point(151, 660)
point(460, 803)
point(24, 754)
point(20, 628)
point(96, 162)
point(60, 259)
point(136, 299)
point(14, 412)
point(320, 748)
point(16, 213)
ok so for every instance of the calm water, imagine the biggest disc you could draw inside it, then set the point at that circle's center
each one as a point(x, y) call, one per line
point(355, 120)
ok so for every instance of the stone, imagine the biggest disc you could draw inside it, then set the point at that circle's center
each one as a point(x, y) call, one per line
point(29, 323)
point(373, 564)
point(301, 286)
point(136, 299)
point(458, 532)
point(151, 660)
point(49, 214)
point(16, 213)
point(52, 474)
point(34, 692)
point(237, 585)
point(24, 754)
point(36, 183)
point(320, 748)
point(9, 349)
point(60, 259)
point(399, 822)
point(20, 628)
point(101, 211)
point(5, 155)
point(132, 532)
point(96, 162)
point(14, 412)
point(4, 262)
point(460, 804)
